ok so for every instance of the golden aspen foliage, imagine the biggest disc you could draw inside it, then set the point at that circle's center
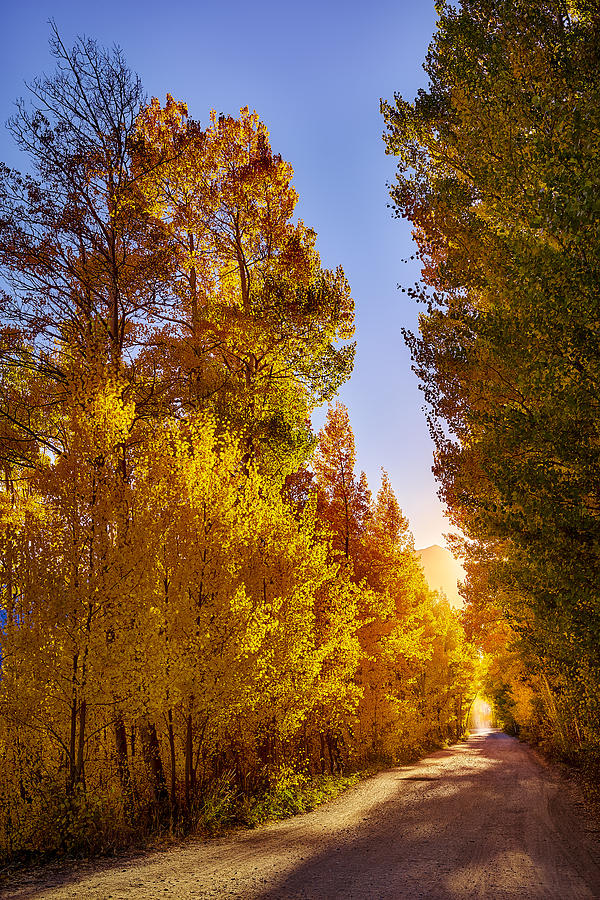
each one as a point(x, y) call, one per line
point(257, 324)
point(189, 617)
point(412, 645)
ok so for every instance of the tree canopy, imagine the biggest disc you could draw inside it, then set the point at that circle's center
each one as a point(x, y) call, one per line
point(498, 175)
point(197, 615)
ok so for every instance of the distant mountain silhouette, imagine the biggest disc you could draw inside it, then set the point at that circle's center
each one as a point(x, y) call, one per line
point(442, 572)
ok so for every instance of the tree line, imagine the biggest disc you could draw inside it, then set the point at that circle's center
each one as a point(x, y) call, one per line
point(498, 173)
point(201, 600)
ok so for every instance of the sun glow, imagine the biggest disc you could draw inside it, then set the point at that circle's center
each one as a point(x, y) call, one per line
point(481, 715)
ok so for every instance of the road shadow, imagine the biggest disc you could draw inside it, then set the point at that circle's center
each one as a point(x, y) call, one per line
point(474, 820)
point(451, 841)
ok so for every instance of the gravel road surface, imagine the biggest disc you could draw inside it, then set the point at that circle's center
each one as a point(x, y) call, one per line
point(481, 819)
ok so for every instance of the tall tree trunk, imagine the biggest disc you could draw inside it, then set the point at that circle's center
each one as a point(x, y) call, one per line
point(330, 751)
point(193, 285)
point(72, 744)
point(80, 774)
point(73, 727)
point(151, 750)
point(172, 754)
point(9, 487)
point(123, 766)
point(189, 763)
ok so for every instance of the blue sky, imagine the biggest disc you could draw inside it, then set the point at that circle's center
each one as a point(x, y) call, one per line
point(315, 74)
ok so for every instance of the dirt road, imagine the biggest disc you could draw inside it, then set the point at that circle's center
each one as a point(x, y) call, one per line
point(482, 819)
